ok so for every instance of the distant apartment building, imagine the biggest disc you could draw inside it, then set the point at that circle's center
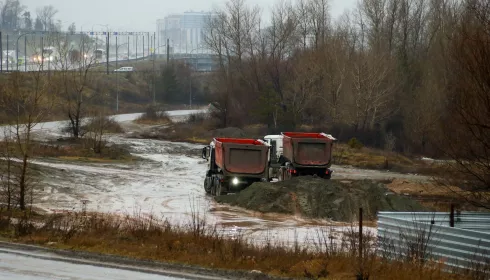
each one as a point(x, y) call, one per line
point(184, 31)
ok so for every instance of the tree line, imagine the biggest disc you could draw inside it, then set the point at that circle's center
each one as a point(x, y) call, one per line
point(382, 69)
point(411, 75)
point(16, 17)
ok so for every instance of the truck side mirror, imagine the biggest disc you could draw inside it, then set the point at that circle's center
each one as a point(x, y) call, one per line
point(205, 152)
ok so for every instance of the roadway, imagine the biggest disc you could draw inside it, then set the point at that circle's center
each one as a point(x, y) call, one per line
point(21, 262)
point(205, 64)
point(53, 66)
point(21, 265)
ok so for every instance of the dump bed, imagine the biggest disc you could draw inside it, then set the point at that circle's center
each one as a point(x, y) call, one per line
point(308, 149)
point(241, 156)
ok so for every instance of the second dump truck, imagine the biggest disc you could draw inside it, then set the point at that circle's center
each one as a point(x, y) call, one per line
point(234, 164)
point(297, 154)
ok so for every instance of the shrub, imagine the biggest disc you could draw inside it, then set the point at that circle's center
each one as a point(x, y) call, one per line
point(355, 144)
point(104, 123)
point(196, 118)
point(154, 114)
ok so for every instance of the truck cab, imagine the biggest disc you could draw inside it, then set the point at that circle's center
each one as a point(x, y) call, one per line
point(209, 155)
point(275, 153)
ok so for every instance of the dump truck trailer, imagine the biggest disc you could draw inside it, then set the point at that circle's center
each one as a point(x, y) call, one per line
point(234, 164)
point(298, 154)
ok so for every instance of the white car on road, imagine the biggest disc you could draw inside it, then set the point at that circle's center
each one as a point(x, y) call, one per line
point(125, 69)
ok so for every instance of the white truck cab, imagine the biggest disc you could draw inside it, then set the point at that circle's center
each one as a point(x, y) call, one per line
point(275, 142)
point(275, 152)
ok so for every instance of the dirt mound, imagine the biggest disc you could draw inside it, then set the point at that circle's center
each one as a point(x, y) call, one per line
point(319, 198)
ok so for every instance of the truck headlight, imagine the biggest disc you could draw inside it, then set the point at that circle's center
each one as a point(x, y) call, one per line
point(235, 181)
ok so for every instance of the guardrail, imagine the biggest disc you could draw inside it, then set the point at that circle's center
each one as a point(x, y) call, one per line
point(428, 236)
point(13, 68)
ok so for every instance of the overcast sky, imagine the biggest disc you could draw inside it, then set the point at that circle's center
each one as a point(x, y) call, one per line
point(141, 15)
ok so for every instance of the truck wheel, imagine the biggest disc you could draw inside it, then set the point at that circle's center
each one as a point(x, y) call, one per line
point(219, 189)
point(213, 186)
point(208, 184)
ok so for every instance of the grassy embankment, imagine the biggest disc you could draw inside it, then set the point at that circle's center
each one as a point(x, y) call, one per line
point(197, 243)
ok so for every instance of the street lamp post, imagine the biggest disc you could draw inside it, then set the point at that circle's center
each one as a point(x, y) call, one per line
point(117, 78)
point(190, 80)
point(17, 50)
point(154, 70)
point(117, 74)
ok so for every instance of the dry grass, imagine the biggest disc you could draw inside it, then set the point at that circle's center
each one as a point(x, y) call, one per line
point(368, 158)
point(434, 195)
point(405, 187)
point(79, 149)
point(196, 129)
point(197, 243)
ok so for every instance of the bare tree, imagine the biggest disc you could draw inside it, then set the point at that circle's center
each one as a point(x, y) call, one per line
point(336, 58)
point(467, 128)
point(304, 22)
point(10, 13)
point(374, 90)
point(320, 20)
point(7, 170)
point(46, 15)
point(74, 63)
point(26, 97)
point(229, 35)
point(305, 85)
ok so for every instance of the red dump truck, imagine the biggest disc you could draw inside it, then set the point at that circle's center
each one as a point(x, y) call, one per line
point(298, 154)
point(234, 164)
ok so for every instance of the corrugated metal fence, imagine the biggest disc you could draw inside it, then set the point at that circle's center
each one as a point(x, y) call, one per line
point(428, 236)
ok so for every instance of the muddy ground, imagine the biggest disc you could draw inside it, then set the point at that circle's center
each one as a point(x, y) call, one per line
point(167, 181)
point(318, 198)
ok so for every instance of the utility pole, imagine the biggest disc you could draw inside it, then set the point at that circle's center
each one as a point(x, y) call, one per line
point(168, 50)
point(117, 91)
point(1, 52)
point(117, 56)
point(136, 46)
point(190, 90)
point(128, 49)
point(107, 53)
point(95, 52)
point(117, 77)
point(154, 75)
point(25, 54)
point(7, 52)
point(42, 53)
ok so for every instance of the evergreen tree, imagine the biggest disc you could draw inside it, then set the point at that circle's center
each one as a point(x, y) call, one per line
point(27, 21)
point(72, 29)
point(170, 88)
point(38, 26)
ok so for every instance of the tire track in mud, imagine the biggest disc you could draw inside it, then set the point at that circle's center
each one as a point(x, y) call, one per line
point(163, 182)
